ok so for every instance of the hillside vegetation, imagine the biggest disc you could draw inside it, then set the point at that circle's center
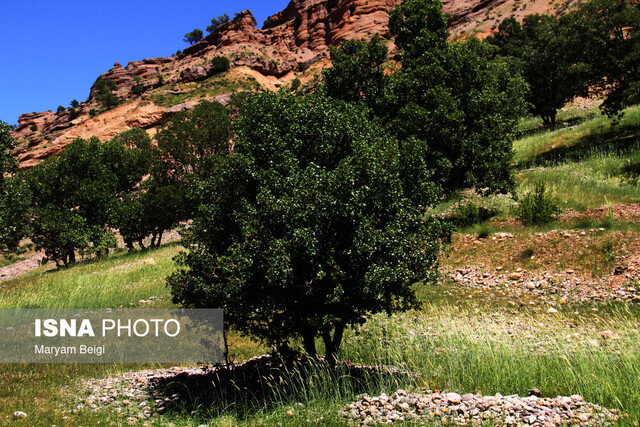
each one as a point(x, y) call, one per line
point(408, 230)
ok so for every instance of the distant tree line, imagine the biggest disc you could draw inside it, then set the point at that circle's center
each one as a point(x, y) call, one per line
point(72, 203)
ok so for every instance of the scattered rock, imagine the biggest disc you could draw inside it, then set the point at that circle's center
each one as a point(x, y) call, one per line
point(19, 414)
point(429, 407)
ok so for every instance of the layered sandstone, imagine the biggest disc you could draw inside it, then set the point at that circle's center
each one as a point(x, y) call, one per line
point(289, 43)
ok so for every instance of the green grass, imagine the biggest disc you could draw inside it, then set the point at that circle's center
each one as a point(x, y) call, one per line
point(505, 351)
point(596, 135)
point(476, 347)
point(218, 84)
point(591, 164)
point(597, 181)
point(120, 280)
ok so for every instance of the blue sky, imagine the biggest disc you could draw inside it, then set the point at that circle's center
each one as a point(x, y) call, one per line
point(52, 51)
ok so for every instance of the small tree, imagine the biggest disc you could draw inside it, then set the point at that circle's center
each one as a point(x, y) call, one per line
point(295, 84)
point(60, 110)
point(104, 92)
point(216, 22)
point(75, 103)
point(193, 37)
point(137, 89)
point(306, 228)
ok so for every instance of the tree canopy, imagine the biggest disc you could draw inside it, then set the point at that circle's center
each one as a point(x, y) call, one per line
point(216, 22)
point(305, 227)
point(193, 36)
point(546, 51)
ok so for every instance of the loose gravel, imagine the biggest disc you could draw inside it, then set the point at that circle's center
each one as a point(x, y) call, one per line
point(432, 407)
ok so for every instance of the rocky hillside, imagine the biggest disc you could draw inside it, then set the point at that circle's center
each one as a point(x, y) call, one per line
point(293, 43)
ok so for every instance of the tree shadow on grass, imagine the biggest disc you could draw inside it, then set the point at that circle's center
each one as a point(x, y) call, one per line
point(615, 140)
point(265, 381)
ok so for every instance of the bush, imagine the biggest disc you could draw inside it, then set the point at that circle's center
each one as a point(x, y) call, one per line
point(137, 89)
point(537, 206)
point(33, 128)
point(60, 110)
point(73, 114)
point(104, 92)
point(295, 84)
point(93, 112)
point(220, 64)
point(467, 213)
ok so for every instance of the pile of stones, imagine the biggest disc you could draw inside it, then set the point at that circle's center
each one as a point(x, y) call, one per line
point(432, 407)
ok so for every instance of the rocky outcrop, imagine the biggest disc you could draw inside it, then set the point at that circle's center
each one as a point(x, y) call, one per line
point(290, 41)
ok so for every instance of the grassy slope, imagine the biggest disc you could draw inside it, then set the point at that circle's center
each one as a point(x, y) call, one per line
point(589, 164)
point(454, 342)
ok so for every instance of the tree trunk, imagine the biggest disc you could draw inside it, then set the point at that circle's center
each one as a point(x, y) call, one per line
point(332, 345)
point(72, 257)
point(309, 341)
point(141, 244)
point(226, 346)
point(153, 239)
point(159, 238)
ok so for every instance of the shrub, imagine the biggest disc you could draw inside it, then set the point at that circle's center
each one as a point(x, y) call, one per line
point(467, 213)
point(104, 92)
point(73, 114)
point(537, 206)
point(295, 84)
point(220, 64)
point(93, 112)
point(137, 89)
point(33, 128)
point(75, 103)
point(60, 110)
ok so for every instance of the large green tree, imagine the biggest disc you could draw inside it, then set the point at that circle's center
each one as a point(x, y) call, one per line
point(357, 73)
point(76, 194)
point(455, 99)
point(306, 227)
point(548, 52)
point(609, 33)
point(14, 195)
point(185, 146)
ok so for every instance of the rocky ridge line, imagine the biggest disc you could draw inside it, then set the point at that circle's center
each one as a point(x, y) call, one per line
point(290, 42)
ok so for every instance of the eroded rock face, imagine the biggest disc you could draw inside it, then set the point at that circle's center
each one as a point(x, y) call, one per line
point(290, 40)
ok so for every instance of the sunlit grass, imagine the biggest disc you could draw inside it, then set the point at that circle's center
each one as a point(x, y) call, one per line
point(120, 280)
point(597, 181)
point(599, 134)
